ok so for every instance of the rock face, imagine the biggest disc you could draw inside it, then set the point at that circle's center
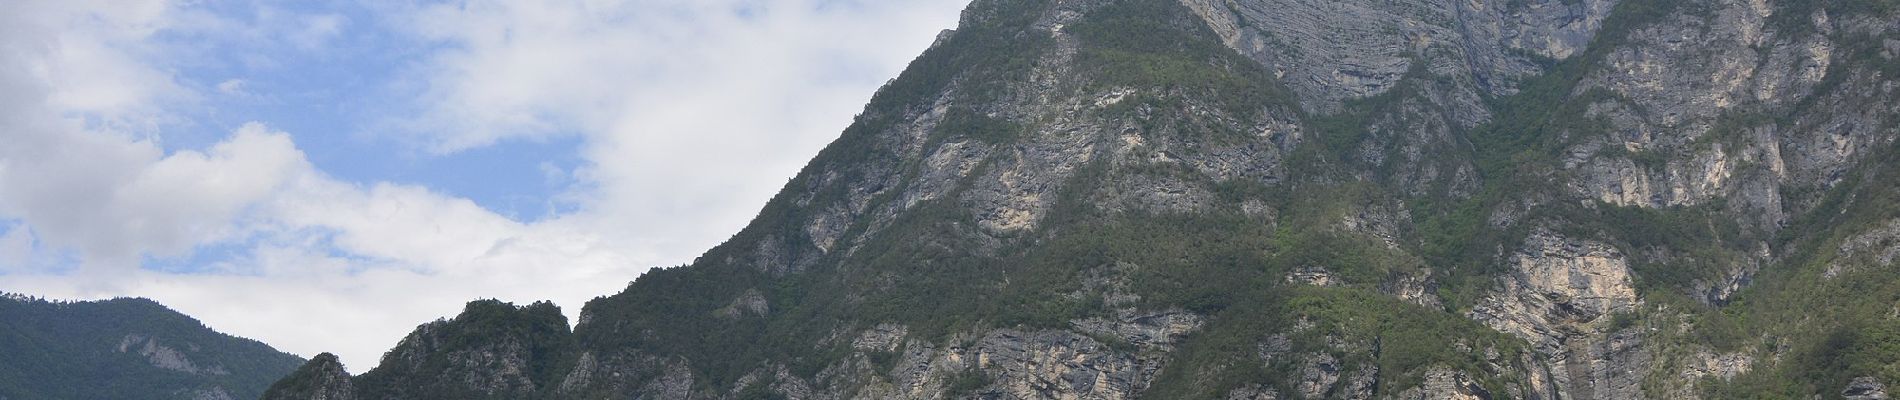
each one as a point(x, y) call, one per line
point(1554, 299)
point(1277, 199)
point(165, 357)
point(1865, 388)
point(1878, 247)
point(1558, 287)
point(1445, 385)
point(1332, 51)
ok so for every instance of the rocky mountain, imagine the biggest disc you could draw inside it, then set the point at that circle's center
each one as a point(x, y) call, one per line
point(1277, 199)
point(493, 350)
point(126, 349)
point(323, 378)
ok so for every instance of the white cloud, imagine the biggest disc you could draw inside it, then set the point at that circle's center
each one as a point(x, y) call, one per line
point(328, 265)
point(232, 87)
point(73, 100)
point(692, 113)
point(16, 249)
point(189, 197)
point(87, 54)
point(312, 31)
point(363, 264)
point(689, 114)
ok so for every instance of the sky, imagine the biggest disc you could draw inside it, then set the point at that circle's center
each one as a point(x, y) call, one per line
point(323, 176)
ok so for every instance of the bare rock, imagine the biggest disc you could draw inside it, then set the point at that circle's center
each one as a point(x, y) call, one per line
point(1865, 388)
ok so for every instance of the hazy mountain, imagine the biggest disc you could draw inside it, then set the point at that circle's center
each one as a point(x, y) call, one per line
point(126, 349)
point(1267, 199)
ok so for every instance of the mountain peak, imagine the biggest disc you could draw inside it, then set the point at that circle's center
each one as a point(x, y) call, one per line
point(323, 378)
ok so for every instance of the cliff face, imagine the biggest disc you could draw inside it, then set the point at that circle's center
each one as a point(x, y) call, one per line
point(1265, 199)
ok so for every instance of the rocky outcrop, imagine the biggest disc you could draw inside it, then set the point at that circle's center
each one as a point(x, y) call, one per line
point(1318, 375)
point(1259, 392)
point(1444, 384)
point(1315, 276)
point(1877, 247)
point(750, 303)
point(216, 393)
point(628, 372)
point(1689, 100)
point(1449, 56)
point(1332, 51)
point(1556, 299)
point(1559, 285)
point(491, 350)
point(1705, 364)
point(323, 378)
point(1101, 358)
point(1670, 88)
point(165, 357)
point(1865, 388)
point(1059, 364)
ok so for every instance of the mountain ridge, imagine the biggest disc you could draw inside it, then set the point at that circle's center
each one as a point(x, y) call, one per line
point(126, 348)
point(1305, 199)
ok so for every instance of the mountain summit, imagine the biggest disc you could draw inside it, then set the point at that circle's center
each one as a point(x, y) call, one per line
point(1271, 199)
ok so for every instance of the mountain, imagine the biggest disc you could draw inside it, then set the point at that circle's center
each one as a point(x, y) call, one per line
point(126, 348)
point(1273, 199)
point(492, 350)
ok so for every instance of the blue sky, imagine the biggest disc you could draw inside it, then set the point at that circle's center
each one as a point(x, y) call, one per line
point(325, 175)
point(339, 81)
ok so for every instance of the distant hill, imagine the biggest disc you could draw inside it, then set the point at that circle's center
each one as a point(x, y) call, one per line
point(126, 348)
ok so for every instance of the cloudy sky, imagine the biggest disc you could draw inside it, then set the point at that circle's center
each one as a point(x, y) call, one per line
point(326, 175)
